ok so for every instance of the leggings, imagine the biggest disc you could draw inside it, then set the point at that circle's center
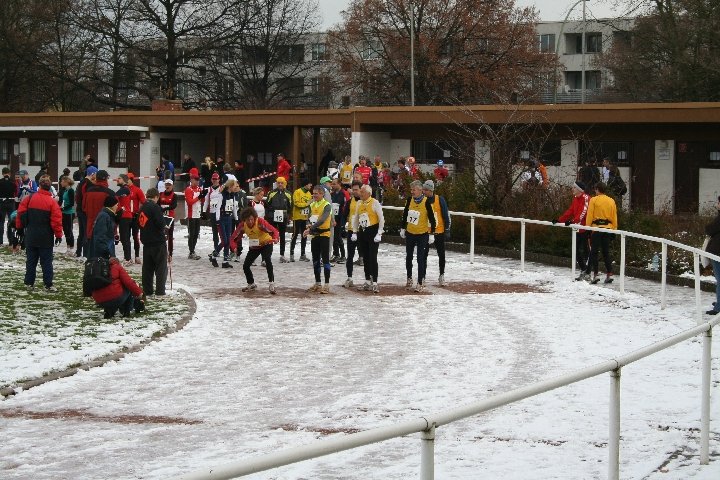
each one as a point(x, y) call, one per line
point(298, 229)
point(599, 241)
point(193, 233)
point(266, 252)
point(338, 245)
point(368, 248)
point(125, 229)
point(67, 223)
point(320, 248)
point(282, 227)
point(135, 228)
point(440, 248)
point(351, 246)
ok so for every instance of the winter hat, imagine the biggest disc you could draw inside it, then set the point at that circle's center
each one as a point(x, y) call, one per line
point(281, 180)
point(440, 163)
point(168, 182)
point(91, 171)
point(131, 175)
point(194, 173)
point(215, 176)
point(102, 175)
point(579, 185)
point(22, 172)
point(325, 180)
point(429, 185)
point(124, 177)
point(110, 201)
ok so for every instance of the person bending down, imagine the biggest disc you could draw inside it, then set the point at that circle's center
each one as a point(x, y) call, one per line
point(261, 237)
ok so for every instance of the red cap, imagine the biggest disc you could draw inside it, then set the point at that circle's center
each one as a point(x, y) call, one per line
point(131, 175)
point(215, 175)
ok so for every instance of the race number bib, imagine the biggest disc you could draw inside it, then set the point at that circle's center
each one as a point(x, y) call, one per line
point(230, 206)
point(305, 211)
point(364, 220)
point(413, 217)
point(195, 210)
point(279, 216)
point(214, 204)
point(347, 175)
point(254, 242)
point(336, 208)
point(313, 219)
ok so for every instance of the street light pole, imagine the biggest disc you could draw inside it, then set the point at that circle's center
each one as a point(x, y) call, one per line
point(557, 43)
point(584, 48)
point(412, 54)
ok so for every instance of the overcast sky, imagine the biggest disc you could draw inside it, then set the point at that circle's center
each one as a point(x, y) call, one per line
point(549, 9)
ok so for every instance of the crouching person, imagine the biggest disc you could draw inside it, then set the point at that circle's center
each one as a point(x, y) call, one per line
point(123, 293)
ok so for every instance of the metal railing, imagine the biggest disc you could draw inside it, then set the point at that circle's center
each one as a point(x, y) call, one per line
point(427, 425)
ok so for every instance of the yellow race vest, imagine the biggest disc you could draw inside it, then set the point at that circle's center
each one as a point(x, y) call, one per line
point(439, 222)
point(257, 237)
point(366, 215)
point(346, 174)
point(301, 204)
point(316, 211)
point(417, 218)
point(351, 213)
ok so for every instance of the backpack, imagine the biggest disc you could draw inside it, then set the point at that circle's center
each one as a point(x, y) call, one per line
point(96, 275)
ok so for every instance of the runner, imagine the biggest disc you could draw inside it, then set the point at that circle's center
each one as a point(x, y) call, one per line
point(123, 195)
point(168, 204)
point(213, 198)
point(368, 225)
point(319, 226)
point(346, 173)
point(351, 243)
point(137, 199)
point(193, 207)
point(337, 195)
point(279, 205)
point(442, 227)
point(418, 219)
point(224, 216)
point(67, 206)
point(261, 236)
point(301, 211)
point(257, 201)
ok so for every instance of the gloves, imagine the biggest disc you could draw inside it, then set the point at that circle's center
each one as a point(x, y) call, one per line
point(568, 222)
point(554, 221)
point(203, 215)
point(431, 239)
point(377, 238)
point(447, 234)
point(353, 237)
point(117, 239)
point(165, 207)
point(402, 233)
point(58, 240)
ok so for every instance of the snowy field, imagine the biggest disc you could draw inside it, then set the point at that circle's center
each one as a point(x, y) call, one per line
point(251, 374)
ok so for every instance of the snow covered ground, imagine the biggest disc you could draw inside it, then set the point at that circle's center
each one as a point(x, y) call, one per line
point(251, 374)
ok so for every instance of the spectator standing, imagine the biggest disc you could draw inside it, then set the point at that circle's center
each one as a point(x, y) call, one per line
point(207, 168)
point(602, 213)
point(125, 200)
point(616, 187)
point(187, 164)
point(589, 175)
point(576, 214)
point(94, 201)
point(43, 171)
point(137, 199)
point(103, 236)
point(168, 203)
point(441, 172)
point(67, 206)
point(713, 231)
point(26, 186)
point(40, 217)
point(193, 204)
point(8, 193)
point(85, 183)
point(152, 235)
point(283, 167)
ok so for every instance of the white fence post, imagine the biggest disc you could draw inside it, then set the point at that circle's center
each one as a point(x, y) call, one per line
point(705, 407)
point(663, 285)
point(614, 440)
point(698, 305)
point(574, 250)
point(622, 263)
point(472, 239)
point(522, 245)
point(427, 454)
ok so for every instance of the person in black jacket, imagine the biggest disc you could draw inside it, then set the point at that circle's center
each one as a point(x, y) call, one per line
point(103, 237)
point(152, 235)
point(8, 192)
point(713, 231)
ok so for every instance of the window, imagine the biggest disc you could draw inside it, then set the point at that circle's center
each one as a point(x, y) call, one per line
point(319, 85)
point(319, 52)
point(593, 42)
point(593, 80)
point(182, 56)
point(226, 56)
point(38, 152)
point(371, 50)
point(292, 53)
point(426, 151)
point(5, 151)
point(619, 153)
point(293, 86)
point(622, 38)
point(76, 151)
point(255, 54)
point(119, 153)
point(548, 151)
point(547, 43)
point(182, 90)
point(713, 155)
point(226, 88)
point(573, 43)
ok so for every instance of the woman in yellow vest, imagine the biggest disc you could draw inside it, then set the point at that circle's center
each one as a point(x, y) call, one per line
point(368, 225)
point(442, 226)
point(351, 244)
point(300, 213)
point(418, 219)
point(319, 225)
point(261, 236)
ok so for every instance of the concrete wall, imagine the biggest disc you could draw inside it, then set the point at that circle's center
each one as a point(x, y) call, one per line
point(370, 144)
point(664, 175)
point(709, 190)
point(399, 147)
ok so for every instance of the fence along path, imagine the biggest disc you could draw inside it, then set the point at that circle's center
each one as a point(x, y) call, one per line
point(426, 425)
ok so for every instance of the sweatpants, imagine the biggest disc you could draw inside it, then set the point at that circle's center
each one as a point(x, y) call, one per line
point(154, 267)
point(193, 225)
point(81, 244)
point(135, 228)
point(298, 229)
point(368, 248)
point(421, 242)
point(125, 228)
point(338, 244)
point(45, 256)
point(599, 241)
point(582, 250)
point(351, 246)
point(253, 253)
point(320, 249)
point(67, 223)
point(440, 248)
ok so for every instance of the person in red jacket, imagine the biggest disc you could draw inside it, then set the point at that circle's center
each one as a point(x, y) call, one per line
point(168, 204)
point(441, 172)
point(576, 214)
point(364, 170)
point(40, 215)
point(124, 197)
point(137, 198)
point(122, 294)
point(193, 207)
point(94, 201)
point(283, 167)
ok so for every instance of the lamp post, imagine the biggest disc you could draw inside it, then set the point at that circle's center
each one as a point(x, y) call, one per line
point(557, 46)
point(412, 54)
